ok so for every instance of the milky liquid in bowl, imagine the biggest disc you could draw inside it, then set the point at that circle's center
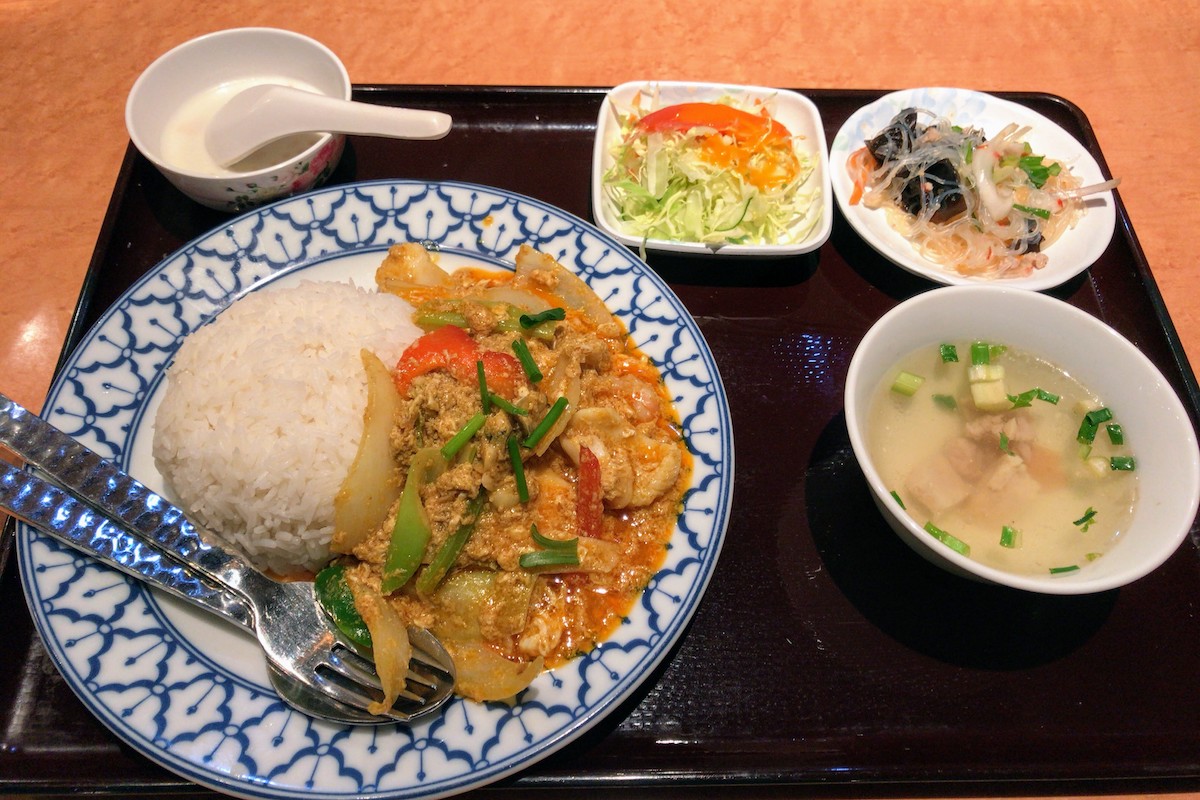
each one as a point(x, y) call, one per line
point(182, 145)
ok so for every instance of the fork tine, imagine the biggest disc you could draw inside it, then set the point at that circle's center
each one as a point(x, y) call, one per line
point(354, 667)
point(356, 695)
point(425, 671)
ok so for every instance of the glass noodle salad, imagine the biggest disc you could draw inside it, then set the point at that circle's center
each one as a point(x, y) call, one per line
point(985, 207)
point(723, 172)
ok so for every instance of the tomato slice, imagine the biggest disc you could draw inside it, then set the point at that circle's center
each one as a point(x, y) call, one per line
point(452, 349)
point(740, 124)
point(756, 146)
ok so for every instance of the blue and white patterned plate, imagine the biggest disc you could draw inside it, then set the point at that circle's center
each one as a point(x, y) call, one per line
point(1075, 251)
point(192, 693)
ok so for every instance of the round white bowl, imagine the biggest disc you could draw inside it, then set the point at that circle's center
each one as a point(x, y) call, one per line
point(1156, 422)
point(219, 58)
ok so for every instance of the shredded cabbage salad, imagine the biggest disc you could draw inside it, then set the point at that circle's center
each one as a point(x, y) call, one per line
point(715, 173)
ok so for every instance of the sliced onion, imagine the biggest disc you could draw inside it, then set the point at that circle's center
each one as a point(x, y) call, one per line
point(566, 284)
point(461, 599)
point(390, 647)
point(563, 381)
point(406, 266)
point(483, 674)
point(372, 485)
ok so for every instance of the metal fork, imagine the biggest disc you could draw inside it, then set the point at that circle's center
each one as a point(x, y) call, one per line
point(56, 513)
point(298, 638)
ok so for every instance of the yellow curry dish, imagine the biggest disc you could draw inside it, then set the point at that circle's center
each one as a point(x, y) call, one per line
point(520, 473)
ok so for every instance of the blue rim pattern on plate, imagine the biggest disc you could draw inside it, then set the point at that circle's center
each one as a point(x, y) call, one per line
point(168, 695)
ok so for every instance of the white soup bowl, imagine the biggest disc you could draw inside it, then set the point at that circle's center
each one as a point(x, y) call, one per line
point(231, 58)
point(1155, 421)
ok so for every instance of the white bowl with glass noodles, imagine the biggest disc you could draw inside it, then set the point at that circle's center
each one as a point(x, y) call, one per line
point(1051, 456)
point(711, 169)
point(962, 187)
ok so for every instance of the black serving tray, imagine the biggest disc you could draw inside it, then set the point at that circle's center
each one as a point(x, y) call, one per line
point(826, 656)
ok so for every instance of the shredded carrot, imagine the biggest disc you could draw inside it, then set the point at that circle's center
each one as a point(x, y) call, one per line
point(861, 164)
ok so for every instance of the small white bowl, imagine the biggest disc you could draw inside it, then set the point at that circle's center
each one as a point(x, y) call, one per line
point(1153, 417)
point(230, 58)
point(796, 112)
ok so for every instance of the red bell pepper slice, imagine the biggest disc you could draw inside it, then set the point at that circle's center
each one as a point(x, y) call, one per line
point(452, 349)
point(589, 495)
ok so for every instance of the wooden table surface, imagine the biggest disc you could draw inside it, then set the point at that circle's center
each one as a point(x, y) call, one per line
point(1132, 67)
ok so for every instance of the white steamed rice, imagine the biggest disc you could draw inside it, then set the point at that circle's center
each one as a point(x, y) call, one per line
point(262, 415)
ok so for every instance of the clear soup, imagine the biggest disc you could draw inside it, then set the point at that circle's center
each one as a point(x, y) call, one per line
point(1029, 476)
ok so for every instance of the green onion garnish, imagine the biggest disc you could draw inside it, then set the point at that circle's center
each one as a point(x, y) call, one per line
point(447, 554)
point(543, 427)
point(1122, 463)
point(526, 358)
point(896, 497)
point(948, 352)
point(502, 404)
point(1010, 537)
point(1005, 445)
point(1038, 171)
point(451, 448)
point(1116, 434)
point(547, 558)
point(554, 551)
point(1060, 570)
point(907, 383)
point(533, 320)
point(980, 354)
point(1022, 400)
point(514, 455)
point(551, 544)
point(1091, 423)
point(946, 401)
point(1026, 398)
point(1044, 213)
point(1085, 522)
point(485, 396)
point(951, 541)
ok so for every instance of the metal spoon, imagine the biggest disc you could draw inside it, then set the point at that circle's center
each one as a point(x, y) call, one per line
point(266, 113)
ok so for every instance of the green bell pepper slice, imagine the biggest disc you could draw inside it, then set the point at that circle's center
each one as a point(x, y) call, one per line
point(411, 532)
point(335, 596)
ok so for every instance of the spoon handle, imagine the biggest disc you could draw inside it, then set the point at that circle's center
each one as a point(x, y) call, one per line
point(101, 484)
point(58, 514)
point(349, 116)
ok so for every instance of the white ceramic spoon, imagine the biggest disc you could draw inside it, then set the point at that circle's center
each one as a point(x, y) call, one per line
point(263, 114)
